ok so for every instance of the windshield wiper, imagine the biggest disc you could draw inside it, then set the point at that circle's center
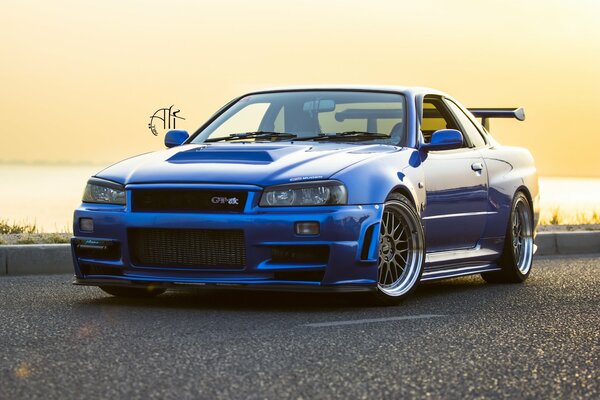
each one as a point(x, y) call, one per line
point(348, 135)
point(254, 135)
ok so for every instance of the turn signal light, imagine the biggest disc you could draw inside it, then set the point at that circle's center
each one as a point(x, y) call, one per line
point(86, 224)
point(307, 228)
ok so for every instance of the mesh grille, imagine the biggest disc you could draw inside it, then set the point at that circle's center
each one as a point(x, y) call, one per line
point(200, 248)
point(187, 200)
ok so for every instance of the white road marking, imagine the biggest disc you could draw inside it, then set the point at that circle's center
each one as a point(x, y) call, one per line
point(371, 320)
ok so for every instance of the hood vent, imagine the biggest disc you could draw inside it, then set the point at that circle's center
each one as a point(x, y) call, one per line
point(244, 154)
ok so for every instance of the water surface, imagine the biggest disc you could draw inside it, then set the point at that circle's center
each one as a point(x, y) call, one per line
point(47, 194)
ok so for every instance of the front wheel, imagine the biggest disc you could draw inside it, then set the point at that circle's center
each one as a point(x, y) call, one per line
point(133, 292)
point(401, 251)
point(517, 256)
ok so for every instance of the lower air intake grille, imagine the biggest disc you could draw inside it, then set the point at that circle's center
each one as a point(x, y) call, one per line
point(200, 248)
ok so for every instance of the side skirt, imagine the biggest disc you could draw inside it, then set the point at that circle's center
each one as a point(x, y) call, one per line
point(460, 271)
point(461, 262)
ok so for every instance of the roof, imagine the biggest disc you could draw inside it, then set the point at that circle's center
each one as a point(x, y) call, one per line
point(410, 90)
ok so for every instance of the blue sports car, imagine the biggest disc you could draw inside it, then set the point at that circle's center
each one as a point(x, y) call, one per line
point(353, 188)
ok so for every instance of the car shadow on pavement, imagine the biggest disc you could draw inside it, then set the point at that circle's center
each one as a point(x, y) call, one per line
point(428, 295)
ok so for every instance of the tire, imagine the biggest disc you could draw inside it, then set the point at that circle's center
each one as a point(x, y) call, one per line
point(133, 292)
point(401, 251)
point(517, 256)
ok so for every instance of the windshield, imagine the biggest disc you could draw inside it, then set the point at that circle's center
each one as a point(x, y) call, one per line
point(311, 115)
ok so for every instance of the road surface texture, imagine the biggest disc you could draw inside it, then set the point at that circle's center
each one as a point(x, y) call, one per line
point(460, 338)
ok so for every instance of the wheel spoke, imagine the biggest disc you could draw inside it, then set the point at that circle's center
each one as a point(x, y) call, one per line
point(394, 271)
point(402, 258)
point(399, 226)
point(404, 248)
point(388, 272)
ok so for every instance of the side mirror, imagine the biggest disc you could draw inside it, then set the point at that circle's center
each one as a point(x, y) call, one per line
point(176, 137)
point(444, 139)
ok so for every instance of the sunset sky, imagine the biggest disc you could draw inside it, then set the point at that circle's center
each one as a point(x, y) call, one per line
point(79, 79)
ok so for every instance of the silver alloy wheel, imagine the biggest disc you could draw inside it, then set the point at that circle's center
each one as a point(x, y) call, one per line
point(400, 250)
point(522, 236)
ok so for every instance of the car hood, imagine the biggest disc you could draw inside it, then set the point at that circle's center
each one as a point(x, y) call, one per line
point(242, 163)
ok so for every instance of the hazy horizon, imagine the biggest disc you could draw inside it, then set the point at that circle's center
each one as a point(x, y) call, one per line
point(30, 195)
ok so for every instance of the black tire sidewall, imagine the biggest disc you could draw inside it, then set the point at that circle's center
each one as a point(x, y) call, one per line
point(508, 261)
point(401, 201)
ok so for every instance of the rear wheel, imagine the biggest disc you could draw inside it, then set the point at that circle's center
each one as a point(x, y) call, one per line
point(517, 256)
point(131, 292)
point(401, 251)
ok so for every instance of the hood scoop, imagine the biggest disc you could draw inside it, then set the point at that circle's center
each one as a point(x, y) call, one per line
point(236, 154)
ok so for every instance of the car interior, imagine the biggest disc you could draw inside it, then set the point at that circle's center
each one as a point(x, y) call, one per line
point(435, 117)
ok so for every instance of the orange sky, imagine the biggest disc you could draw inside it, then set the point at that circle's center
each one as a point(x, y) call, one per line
point(79, 79)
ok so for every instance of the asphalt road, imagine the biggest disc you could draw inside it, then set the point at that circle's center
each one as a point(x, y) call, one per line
point(460, 338)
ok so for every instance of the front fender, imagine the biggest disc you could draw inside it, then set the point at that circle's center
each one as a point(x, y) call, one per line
point(372, 180)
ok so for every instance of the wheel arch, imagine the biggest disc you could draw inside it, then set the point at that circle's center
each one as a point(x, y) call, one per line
point(523, 189)
point(405, 191)
point(534, 212)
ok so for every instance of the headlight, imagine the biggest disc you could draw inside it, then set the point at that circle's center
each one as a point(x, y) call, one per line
point(316, 193)
point(101, 191)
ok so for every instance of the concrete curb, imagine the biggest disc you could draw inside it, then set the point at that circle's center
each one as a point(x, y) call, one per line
point(577, 242)
point(43, 259)
point(56, 258)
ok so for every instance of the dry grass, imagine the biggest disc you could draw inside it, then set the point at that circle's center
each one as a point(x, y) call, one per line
point(27, 233)
point(35, 238)
point(558, 217)
point(14, 227)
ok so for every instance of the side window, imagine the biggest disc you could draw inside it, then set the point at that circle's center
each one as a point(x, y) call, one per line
point(436, 116)
point(469, 128)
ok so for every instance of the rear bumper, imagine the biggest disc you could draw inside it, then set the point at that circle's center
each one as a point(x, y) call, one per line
point(349, 233)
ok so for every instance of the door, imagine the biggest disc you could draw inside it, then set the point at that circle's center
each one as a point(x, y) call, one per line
point(456, 185)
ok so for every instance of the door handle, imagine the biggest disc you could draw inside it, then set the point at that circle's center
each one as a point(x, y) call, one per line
point(477, 166)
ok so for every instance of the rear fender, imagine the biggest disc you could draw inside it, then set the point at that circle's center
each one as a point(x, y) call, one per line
point(510, 169)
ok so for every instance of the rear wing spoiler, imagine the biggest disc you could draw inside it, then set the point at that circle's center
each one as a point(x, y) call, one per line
point(486, 113)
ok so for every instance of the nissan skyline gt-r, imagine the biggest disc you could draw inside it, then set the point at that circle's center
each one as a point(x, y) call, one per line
point(353, 188)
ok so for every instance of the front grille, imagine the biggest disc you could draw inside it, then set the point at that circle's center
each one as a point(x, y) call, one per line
point(198, 248)
point(187, 200)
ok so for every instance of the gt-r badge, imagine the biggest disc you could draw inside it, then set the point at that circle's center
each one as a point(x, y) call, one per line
point(225, 200)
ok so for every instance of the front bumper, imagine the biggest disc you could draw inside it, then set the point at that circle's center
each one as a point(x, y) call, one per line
point(350, 234)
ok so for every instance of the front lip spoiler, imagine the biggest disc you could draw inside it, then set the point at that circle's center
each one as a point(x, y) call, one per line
point(279, 287)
